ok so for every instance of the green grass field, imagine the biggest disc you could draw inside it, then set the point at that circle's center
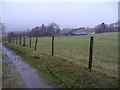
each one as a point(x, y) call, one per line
point(75, 49)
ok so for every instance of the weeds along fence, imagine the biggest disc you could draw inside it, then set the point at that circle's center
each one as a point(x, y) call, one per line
point(57, 46)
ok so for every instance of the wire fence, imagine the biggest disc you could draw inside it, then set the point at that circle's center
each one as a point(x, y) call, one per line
point(80, 49)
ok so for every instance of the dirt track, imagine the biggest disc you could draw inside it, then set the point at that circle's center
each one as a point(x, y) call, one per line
point(19, 68)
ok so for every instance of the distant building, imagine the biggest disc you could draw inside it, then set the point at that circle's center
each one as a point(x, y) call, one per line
point(80, 32)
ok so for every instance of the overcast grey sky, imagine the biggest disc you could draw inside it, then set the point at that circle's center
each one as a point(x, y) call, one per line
point(25, 15)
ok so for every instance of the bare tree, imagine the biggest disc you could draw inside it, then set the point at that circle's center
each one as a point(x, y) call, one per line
point(52, 28)
point(34, 31)
point(43, 30)
point(58, 32)
point(101, 28)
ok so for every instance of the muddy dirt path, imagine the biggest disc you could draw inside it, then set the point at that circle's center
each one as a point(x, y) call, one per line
point(29, 75)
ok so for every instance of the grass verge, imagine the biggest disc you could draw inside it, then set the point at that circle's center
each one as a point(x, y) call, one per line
point(62, 72)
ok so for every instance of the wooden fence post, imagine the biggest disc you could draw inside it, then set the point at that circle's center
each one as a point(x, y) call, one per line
point(16, 40)
point(23, 40)
point(52, 45)
point(13, 40)
point(9, 40)
point(91, 53)
point(36, 42)
point(30, 40)
point(20, 40)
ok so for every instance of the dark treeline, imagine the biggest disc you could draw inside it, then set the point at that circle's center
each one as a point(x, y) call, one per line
point(102, 28)
point(53, 29)
point(41, 31)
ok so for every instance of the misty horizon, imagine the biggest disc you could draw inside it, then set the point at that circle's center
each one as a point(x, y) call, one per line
point(21, 16)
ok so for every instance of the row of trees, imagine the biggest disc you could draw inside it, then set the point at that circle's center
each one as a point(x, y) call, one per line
point(50, 30)
point(114, 27)
point(43, 30)
point(53, 29)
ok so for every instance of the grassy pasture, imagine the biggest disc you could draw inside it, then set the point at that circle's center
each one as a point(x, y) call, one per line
point(69, 65)
point(76, 49)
